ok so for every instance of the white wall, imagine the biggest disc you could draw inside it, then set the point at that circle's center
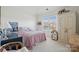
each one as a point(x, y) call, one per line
point(25, 17)
point(20, 15)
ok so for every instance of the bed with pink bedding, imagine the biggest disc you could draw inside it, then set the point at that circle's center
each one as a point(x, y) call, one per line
point(30, 38)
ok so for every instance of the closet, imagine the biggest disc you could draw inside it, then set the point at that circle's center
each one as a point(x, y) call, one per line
point(66, 26)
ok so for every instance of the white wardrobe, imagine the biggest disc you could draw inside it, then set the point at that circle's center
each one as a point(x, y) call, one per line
point(66, 26)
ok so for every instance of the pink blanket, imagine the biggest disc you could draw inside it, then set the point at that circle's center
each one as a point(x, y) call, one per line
point(30, 40)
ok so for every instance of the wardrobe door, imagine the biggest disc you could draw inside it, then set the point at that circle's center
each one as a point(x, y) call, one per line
point(61, 25)
point(66, 26)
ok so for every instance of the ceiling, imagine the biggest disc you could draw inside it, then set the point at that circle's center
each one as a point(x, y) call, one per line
point(30, 9)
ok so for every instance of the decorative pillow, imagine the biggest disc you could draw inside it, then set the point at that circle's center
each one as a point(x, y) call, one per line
point(4, 50)
point(12, 35)
point(24, 29)
point(24, 49)
point(20, 28)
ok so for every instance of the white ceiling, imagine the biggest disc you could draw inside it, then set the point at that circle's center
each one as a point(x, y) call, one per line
point(30, 9)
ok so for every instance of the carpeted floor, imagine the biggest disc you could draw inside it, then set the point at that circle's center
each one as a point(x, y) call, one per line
point(50, 46)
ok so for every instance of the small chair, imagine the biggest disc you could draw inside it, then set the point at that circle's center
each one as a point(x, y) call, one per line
point(54, 35)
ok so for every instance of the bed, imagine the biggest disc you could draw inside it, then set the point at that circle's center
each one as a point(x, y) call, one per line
point(30, 38)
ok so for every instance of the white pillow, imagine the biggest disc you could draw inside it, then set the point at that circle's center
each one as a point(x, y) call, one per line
point(24, 49)
point(4, 50)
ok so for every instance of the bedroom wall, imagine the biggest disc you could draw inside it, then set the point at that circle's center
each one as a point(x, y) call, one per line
point(19, 15)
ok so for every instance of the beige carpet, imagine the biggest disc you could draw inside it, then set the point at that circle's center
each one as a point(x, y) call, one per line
point(50, 46)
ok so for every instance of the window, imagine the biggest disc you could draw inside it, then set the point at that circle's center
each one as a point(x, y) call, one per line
point(52, 18)
point(49, 21)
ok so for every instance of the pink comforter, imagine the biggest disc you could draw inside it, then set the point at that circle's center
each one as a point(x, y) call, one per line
point(30, 40)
